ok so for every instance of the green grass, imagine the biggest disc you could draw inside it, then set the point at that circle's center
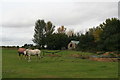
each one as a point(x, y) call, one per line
point(56, 67)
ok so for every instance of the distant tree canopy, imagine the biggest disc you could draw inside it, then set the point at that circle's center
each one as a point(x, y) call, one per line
point(9, 46)
point(104, 37)
point(27, 46)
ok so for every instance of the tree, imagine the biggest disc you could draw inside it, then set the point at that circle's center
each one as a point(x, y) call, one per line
point(42, 32)
point(70, 33)
point(28, 45)
point(86, 42)
point(96, 32)
point(109, 38)
point(57, 41)
point(49, 28)
point(61, 29)
point(39, 35)
point(17, 46)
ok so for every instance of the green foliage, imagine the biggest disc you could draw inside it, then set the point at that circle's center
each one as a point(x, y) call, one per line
point(42, 31)
point(109, 38)
point(57, 41)
point(44, 36)
point(74, 37)
point(39, 33)
point(49, 28)
point(104, 37)
point(86, 42)
point(61, 29)
point(96, 32)
point(27, 46)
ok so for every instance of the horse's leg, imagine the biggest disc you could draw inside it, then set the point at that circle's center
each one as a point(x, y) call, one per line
point(22, 55)
point(29, 58)
point(38, 56)
point(19, 55)
point(25, 56)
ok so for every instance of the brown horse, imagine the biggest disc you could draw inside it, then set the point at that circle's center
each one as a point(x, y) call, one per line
point(21, 51)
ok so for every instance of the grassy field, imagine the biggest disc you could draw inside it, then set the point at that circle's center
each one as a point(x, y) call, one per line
point(56, 67)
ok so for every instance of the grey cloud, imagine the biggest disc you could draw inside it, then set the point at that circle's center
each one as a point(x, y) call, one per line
point(19, 20)
point(81, 14)
point(66, 14)
point(17, 24)
point(16, 39)
point(4, 39)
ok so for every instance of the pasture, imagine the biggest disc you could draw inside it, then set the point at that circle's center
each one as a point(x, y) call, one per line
point(56, 67)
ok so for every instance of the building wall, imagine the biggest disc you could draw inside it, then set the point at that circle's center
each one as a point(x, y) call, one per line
point(71, 46)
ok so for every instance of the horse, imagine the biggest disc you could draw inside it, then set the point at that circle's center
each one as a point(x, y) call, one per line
point(21, 51)
point(29, 52)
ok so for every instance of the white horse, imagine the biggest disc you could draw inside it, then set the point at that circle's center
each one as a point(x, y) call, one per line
point(30, 52)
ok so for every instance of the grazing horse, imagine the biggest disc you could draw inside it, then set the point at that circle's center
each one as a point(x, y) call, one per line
point(30, 52)
point(21, 51)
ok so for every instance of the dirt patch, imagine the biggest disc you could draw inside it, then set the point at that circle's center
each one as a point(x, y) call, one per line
point(75, 55)
point(108, 53)
point(104, 59)
point(79, 56)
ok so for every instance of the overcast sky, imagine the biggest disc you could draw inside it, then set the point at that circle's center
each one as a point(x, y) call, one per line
point(19, 17)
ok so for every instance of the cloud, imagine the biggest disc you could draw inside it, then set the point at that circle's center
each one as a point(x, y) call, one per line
point(17, 25)
point(18, 18)
point(20, 36)
point(58, 13)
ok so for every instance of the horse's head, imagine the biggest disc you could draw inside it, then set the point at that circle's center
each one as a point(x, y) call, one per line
point(25, 52)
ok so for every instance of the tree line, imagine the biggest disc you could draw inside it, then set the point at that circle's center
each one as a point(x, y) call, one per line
point(104, 37)
point(45, 37)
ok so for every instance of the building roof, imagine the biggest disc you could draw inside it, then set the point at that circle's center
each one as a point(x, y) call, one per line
point(76, 42)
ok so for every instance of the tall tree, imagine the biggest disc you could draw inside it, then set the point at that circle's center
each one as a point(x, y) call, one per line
point(61, 29)
point(49, 28)
point(70, 33)
point(39, 34)
point(110, 36)
point(86, 42)
point(96, 32)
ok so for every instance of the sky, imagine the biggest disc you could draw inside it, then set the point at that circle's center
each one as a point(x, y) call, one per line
point(18, 17)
